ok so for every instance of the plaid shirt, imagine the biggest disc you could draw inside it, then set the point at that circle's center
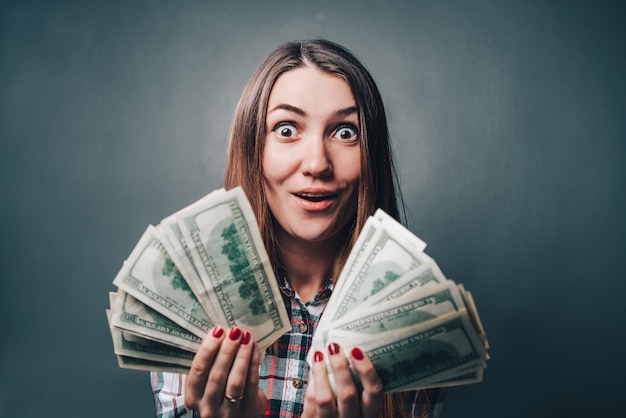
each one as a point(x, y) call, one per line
point(284, 372)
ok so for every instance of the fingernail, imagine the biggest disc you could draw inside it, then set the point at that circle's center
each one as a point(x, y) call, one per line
point(234, 333)
point(318, 356)
point(217, 332)
point(333, 348)
point(246, 338)
point(357, 354)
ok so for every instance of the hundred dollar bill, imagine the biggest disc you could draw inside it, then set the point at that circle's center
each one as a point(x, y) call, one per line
point(447, 348)
point(150, 276)
point(379, 257)
point(355, 258)
point(462, 378)
point(135, 363)
point(421, 307)
point(418, 305)
point(451, 377)
point(428, 274)
point(400, 230)
point(380, 220)
point(128, 314)
point(130, 345)
point(231, 260)
point(473, 313)
point(180, 253)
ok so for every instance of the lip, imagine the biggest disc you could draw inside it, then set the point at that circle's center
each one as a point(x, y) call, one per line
point(315, 199)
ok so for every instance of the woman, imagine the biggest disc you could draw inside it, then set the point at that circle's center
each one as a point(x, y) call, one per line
point(310, 147)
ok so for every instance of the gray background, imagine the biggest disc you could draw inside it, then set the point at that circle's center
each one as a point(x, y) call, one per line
point(508, 128)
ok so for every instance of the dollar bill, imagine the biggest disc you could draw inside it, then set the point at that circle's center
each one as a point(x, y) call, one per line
point(400, 230)
point(373, 226)
point(419, 305)
point(379, 257)
point(136, 363)
point(179, 251)
point(427, 274)
point(444, 350)
point(473, 375)
point(424, 306)
point(473, 313)
point(230, 257)
point(130, 345)
point(128, 314)
point(150, 276)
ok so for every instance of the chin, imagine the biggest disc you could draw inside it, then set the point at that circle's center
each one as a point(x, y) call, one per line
point(321, 233)
point(312, 236)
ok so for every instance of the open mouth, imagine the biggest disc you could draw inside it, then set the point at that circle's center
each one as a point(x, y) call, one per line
point(315, 197)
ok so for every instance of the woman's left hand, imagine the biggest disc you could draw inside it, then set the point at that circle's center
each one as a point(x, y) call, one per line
point(347, 401)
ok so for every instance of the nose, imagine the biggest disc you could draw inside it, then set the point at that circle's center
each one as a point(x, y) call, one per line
point(316, 159)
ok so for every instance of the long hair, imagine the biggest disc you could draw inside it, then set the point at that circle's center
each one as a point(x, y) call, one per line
point(378, 179)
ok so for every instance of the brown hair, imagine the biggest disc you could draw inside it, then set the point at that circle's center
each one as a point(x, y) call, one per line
point(378, 179)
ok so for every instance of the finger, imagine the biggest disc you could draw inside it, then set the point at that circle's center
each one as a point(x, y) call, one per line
point(309, 409)
point(236, 383)
point(200, 367)
point(216, 383)
point(372, 395)
point(254, 398)
point(323, 398)
point(252, 379)
point(345, 387)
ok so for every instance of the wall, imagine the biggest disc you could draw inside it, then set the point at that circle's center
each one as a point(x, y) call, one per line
point(508, 128)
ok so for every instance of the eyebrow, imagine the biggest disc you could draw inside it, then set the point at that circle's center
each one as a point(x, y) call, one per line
point(290, 108)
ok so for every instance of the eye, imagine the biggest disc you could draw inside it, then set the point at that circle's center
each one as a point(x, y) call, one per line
point(286, 130)
point(346, 132)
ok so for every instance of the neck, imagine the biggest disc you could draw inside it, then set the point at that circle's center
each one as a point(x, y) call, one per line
point(307, 263)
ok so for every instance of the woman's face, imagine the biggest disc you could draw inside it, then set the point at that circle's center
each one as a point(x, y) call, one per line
point(311, 159)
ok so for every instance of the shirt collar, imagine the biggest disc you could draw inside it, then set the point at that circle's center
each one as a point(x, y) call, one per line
point(322, 295)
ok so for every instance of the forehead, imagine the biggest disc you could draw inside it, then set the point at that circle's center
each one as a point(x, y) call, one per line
point(310, 88)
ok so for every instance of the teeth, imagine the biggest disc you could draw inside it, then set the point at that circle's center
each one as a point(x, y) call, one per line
point(314, 197)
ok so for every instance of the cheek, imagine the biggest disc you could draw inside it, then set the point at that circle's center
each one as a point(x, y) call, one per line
point(271, 174)
point(269, 166)
point(353, 170)
point(352, 178)
point(356, 170)
point(275, 163)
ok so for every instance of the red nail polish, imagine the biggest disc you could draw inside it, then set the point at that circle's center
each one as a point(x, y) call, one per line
point(246, 338)
point(318, 356)
point(234, 333)
point(217, 332)
point(357, 354)
point(333, 348)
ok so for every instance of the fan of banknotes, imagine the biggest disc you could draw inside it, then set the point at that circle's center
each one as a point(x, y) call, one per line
point(392, 301)
point(206, 265)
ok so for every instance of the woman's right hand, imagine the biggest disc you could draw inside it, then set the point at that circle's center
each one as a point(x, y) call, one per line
point(224, 376)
